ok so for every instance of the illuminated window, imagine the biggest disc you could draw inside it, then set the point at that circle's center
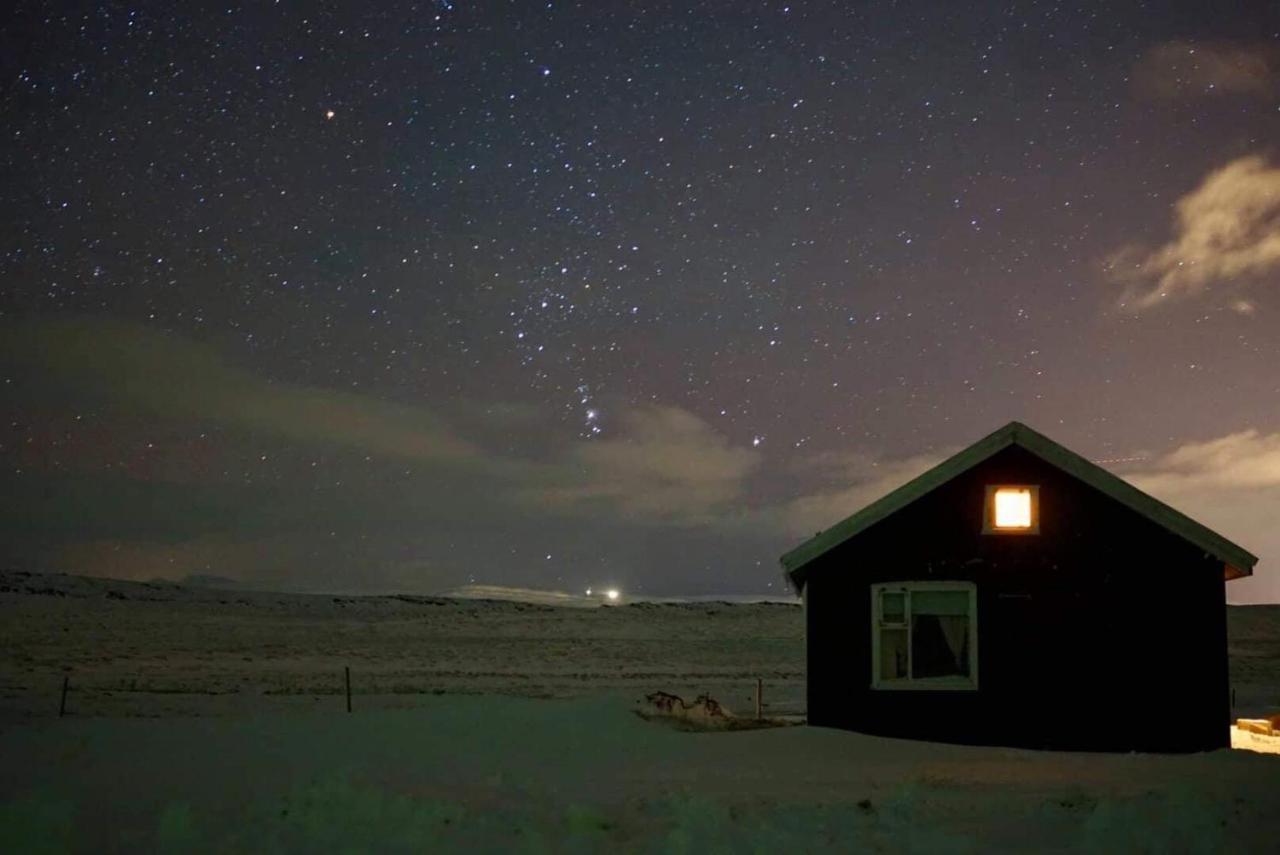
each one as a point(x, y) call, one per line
point(924, 635)
point(1012, 509)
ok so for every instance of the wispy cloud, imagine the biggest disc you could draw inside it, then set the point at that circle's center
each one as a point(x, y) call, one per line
point(1187, 69)
point(1226, 231)
point(662, 466)
point(167, 376)
point(856, 481)
point(1232, 485)
point(665, 465)
point(1246, 460)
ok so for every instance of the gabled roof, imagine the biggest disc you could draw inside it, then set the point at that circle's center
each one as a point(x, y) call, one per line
point(1236, 560)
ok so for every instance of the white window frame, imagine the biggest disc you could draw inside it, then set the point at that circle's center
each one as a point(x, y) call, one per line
point(950, 683)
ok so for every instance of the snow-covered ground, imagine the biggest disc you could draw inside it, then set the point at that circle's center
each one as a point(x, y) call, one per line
point(158, 649)
point(490, 774)
point(214, 721)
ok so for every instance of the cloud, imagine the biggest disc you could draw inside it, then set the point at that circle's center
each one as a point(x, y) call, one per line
point(166, 376)
point(1246, 460)
point(402, 495)
point(666, 465)
point(1232, 485)
point(1183, 69)
point(1225, 230)
point(859, 480)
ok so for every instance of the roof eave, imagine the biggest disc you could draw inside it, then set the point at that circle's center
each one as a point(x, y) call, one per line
point(1231, 572)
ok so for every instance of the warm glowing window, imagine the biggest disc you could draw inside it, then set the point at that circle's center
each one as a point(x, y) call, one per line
point(924, 635)
point(1012, 509)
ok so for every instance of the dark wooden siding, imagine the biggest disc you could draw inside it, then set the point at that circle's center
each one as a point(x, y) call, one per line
point(1102, 632)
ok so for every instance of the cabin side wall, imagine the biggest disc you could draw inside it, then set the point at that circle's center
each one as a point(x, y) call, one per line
point(1102, 632)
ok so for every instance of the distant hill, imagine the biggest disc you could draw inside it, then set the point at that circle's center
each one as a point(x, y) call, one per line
point(207, 580)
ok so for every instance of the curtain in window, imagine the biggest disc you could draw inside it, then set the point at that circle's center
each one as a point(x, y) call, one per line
point(939, 633)
point(955, 629)
point(893, 654)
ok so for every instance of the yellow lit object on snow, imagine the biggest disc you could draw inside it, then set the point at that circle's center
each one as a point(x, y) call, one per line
point(1013, 507)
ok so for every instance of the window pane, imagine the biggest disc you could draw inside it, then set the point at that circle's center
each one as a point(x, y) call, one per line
point(939, 644)
point(939, 602)
point(1013, 507)
point(893, 654)
point(893, 607)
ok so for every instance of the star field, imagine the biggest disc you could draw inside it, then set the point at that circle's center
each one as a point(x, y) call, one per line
point(436, 289)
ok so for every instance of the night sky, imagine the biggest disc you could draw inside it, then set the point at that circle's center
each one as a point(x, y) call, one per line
point(388, 296)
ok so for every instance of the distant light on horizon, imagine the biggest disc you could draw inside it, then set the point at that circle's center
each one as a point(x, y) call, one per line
point(612, 593)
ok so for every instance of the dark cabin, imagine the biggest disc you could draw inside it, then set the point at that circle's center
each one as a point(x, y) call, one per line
point(1017, 594)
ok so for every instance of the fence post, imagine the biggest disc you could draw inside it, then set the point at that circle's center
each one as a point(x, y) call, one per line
point(347, 669)
point(759, 698)
point(62, 706)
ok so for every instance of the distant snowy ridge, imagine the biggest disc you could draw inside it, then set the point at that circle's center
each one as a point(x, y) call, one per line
point(564, 598)
point(522, 595)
